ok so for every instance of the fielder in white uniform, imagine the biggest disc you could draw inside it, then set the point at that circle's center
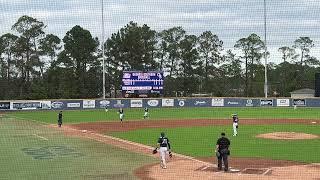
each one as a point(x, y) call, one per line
point(146, 113)
point(235, 124)
point(121, 114)
point(164, 149)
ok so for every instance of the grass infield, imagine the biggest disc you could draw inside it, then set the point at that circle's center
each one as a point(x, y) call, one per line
point(200, 141)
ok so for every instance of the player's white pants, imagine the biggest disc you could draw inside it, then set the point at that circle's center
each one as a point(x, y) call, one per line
point(145, 114)
point(121, 116)
point(163, 151)
point(235, 130)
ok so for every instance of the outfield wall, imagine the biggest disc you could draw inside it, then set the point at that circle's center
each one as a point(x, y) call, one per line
point(152, 103)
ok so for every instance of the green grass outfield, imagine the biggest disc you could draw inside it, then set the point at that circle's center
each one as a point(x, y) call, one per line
point(78, 116)
point(32, 151)
point(200, 141)
point(95, 161)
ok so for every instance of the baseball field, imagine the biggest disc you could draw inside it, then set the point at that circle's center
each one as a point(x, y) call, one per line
point(273, 143)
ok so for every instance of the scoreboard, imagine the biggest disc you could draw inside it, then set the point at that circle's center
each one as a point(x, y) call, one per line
point(142, 84)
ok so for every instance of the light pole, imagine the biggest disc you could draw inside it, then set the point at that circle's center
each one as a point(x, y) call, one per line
point(265, 52)
point(103, 56)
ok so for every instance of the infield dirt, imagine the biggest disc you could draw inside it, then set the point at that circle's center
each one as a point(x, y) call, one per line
point(104, 127)
point(287, 136)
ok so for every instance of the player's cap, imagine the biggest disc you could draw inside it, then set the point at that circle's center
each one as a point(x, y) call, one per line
point(162, 134)
point(223, 134)
point(235, 114)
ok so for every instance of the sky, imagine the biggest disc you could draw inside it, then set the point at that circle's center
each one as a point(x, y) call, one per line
point(231, 20)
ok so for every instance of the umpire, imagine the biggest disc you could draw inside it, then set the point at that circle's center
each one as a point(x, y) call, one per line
point(222, 151)
point(60, 119)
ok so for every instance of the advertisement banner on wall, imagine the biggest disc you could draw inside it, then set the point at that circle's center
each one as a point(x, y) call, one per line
point(87, 104)
point(45, 104)
point(57, 105)
point(103, 103)
point(118, 103)
point(73, 105)
point(167, 102)
point(203, 102)
point(249, 103)
point(180, 102)
point(217, 102)
point(136, 103)
point(153, 102)
point(299, 102)
point(4, 105)
point(233, 102)
point(283, 102)
point(266, 102)
point(313, 102)
point(26, 105)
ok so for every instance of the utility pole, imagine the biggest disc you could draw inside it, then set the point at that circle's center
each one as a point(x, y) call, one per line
point(265, 52)
point(103, 55)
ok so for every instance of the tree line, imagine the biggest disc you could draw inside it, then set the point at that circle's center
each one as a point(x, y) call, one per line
point(38, 65)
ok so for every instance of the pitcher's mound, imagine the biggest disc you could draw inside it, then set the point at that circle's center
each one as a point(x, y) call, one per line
point(287, 135)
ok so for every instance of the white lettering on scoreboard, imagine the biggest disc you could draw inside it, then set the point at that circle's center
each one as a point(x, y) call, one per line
point(132, 82)
point(126, 88)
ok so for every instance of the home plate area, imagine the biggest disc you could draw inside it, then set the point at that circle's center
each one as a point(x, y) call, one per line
point(258, 171)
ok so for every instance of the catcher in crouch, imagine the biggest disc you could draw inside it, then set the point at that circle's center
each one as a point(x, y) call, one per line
point(164, 148)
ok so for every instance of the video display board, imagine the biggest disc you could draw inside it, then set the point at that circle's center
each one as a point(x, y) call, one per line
point(142, 84)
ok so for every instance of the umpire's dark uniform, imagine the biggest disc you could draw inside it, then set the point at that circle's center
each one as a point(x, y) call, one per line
point(222, 147)
point(60, 119)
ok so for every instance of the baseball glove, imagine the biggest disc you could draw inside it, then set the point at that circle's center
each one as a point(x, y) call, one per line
point(217, 154)
point(170, 154)
point(154, 151)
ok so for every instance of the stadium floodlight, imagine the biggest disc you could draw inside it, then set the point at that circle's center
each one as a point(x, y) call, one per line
point(103, 55)
point(265, 52)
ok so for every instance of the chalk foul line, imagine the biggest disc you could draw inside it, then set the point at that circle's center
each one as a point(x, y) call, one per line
point(41, 137)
